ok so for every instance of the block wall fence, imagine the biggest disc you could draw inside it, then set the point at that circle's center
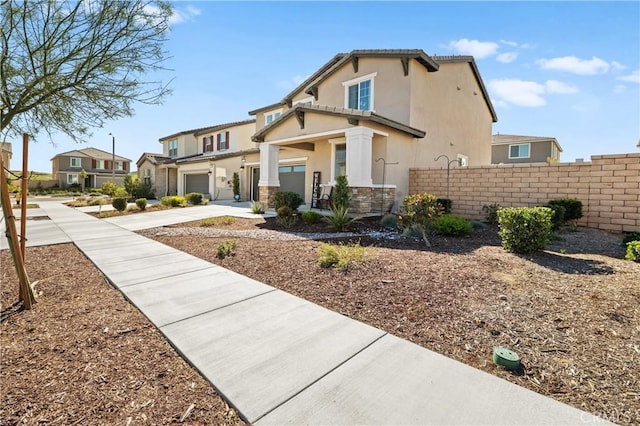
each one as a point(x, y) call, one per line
point(608, 186)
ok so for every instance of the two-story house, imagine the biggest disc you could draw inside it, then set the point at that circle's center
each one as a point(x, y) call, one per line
point(371, 115)
point(99, 166)
point(509, 149)
point(201, 160)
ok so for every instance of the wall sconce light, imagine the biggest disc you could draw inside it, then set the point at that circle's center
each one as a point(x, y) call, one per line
point(210, 172)
point(242, 161)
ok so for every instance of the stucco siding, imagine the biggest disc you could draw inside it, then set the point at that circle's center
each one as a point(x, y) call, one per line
point(539, 152)
point(313, 123)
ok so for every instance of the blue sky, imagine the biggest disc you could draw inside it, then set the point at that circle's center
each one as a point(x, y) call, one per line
point(568, 70)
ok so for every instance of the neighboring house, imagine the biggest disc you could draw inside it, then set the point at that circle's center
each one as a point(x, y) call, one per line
point(202, 160)
point(507, 149)
point(99, 166)
point(372, 115)
point(7, 153)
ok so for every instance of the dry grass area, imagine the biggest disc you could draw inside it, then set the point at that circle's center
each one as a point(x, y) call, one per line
point(572, 313)
point(85, 356)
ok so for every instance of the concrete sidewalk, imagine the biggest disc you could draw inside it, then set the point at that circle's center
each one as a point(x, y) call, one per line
point(279, 359)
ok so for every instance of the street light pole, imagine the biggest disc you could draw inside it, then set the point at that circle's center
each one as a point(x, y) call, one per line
point(113, 157)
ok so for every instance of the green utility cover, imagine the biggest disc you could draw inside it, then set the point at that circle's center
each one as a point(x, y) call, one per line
point(506, 358)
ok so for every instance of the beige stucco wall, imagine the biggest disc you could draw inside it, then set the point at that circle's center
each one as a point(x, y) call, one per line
point(187, 145)
point(539, 152)
point(313, 123)
point(456, 121)
point(239, 137)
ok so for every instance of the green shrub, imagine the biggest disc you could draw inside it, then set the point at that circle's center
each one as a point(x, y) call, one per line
point(633, 251)
point(285, 217)
point(218, 221)
point(289, 199)
point(454, 225)
point(491, 212)
point(311, 217)
point(121, 193)
point(173, 201)
point(131, 184)
point(141, 203)
point(340, 218)
point(98, 201)
point(194, 198)
point(257, 207)
point(236, 186)
point(340, 256)
point(631, 236)
point(389, 221)
point(341, 196)
point(119, 203)
point(226, 248)
point(109, 188)
point(445, 203)
point(524, 229)
point(557, 220)
point(419, 211)
point(572, 208)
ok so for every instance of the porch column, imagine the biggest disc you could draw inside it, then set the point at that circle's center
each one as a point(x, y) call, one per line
point(269, 182)
point(359, 156)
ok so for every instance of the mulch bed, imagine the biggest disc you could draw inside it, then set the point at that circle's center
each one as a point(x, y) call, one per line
point(572, 313)
point(84, 355)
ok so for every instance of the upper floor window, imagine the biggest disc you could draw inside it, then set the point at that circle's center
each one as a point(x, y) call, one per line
point(207, 144)
point(358, 93)
point(119, 165)
point(173, 148)
point(223, 141)
point(519, 150)
point(463, 160)
point(272, 116)
point(101, 164)
point(76, 162)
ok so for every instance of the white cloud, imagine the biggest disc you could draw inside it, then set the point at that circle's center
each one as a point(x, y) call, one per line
point(576, 65)
point(558, 87)
point(518, 92)
point(291, 82)
point(183, 14)
point(634, 77)
point(527, 93)
point(617, 65)
point(476, 48)
point(507, 57)
point(515, 44)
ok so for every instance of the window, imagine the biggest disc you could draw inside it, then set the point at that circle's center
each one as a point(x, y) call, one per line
point(340, 160)
point(463, 160)
point(223, 141)
point(358, 93)
point(207, 144)
point(146, 176)
point(119, 165)
point(101, 164)
point(272, 116)
point(72, 178)
point(173, 148)
point(519, 151)
point(76, 162)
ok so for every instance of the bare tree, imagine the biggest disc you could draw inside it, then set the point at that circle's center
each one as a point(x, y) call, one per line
point(67, 66)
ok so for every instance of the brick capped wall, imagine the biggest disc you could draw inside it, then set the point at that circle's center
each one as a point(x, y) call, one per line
point(608, 186)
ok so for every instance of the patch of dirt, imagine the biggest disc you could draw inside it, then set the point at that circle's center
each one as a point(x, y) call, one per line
point(84, 355)
point(572, 313)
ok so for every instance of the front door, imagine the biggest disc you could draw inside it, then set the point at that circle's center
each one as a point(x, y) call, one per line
point(255, 178)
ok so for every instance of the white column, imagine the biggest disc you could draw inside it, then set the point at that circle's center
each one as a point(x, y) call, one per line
point(269, 158)
point(359, 156)
point(180, 183)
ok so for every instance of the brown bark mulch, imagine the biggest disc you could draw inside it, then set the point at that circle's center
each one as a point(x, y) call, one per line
point(572, 313)
point(84, 355)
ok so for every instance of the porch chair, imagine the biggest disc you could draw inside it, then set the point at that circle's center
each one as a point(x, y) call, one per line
point(326, 200)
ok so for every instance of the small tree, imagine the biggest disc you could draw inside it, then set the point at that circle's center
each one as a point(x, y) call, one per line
point(236, 186)
point(131, 185)
point(419, 211)
point(82, 176)
point(341, 195)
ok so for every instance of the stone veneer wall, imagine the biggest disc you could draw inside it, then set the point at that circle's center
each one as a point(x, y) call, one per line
point(608, 186)
point(264, 194)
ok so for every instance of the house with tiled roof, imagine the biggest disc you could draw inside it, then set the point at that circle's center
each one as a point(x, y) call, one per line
point(100, 166)
point(199, 160)
point(510, 149)
point(371, 115)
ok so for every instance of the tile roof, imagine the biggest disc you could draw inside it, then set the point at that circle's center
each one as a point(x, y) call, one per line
point(217, 156)
point(153, 158)
point(223, 126)
point(500, 139)
point(96, 153)
point(350, 114)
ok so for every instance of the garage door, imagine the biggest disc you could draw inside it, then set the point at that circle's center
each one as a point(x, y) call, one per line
point(197, 183)
point(292, 179)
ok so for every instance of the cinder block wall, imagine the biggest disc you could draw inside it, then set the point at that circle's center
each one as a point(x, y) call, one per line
point(609, 188)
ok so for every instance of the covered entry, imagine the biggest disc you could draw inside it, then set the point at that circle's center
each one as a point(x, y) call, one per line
point(196, 183)
point(292, 179)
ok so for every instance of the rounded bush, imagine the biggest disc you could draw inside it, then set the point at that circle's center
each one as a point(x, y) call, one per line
point(173, 201)
point(141, 203)
point(284, 211)
point(558, 218)
point(289, 199)
point(119, 203)
point(454, 225)
point(194, 198)
point(311, 217)
point(524, 229)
